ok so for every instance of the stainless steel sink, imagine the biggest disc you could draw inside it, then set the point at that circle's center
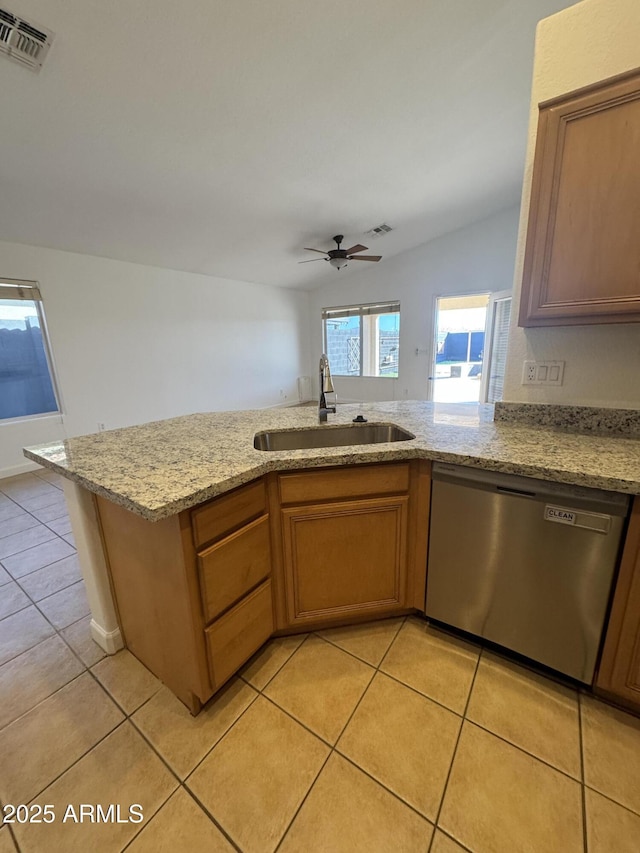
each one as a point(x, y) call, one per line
point(329, 436)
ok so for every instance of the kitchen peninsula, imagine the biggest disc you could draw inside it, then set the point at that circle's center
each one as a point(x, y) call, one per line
point(212, 545)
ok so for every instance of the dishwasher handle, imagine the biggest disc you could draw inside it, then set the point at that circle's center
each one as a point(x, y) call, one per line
point(581, 497)
point(521, 493)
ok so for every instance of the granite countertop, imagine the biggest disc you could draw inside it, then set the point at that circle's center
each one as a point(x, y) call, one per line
point(159, 469)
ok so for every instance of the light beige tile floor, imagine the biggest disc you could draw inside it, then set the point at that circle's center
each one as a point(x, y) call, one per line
point(393, 736)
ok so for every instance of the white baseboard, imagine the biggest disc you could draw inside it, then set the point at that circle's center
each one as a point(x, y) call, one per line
point(288, 404)
point(110, 641)
point(23, 468)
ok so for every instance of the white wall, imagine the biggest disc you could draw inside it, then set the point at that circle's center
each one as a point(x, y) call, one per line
point(588, 42)
point(479, 257)
point(133, 343)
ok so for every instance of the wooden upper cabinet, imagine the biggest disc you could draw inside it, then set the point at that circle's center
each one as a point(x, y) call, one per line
point(582, 257)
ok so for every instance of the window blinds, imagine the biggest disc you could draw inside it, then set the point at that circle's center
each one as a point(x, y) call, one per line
point(500, 337)
point(11, 288)
point(360, 310)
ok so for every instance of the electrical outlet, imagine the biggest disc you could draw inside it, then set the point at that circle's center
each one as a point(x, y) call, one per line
point(100, 427)
point(542, 372)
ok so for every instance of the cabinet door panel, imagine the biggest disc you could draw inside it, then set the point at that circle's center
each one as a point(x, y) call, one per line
point(345, 558)
point(234, 637)
point(583, 239)
point(596, 235)
point(619, 673)
point(232, 567)
point(219, 517)
point(344, 483)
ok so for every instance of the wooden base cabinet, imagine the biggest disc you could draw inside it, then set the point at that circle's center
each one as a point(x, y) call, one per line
point(197, 595)
point(346, 559)
point(193, 591)
point(619, 673)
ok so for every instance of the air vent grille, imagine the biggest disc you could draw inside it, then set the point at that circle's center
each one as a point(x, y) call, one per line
point(23, 41)
point(379, 230)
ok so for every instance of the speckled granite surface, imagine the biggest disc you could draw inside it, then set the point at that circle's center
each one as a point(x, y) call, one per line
point(587, 419)
point(160, 468)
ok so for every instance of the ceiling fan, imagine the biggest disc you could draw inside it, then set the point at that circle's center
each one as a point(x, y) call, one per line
point(338, 257)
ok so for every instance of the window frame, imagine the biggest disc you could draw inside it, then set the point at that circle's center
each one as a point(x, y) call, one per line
point(29, 291)
point(371, 310)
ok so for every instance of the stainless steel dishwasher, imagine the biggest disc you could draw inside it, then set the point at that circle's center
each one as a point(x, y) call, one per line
point(524, 563)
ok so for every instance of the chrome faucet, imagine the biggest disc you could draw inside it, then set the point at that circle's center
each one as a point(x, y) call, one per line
point(326, 387)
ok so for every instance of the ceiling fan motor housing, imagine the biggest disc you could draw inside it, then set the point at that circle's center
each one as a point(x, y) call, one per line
point(338, 253)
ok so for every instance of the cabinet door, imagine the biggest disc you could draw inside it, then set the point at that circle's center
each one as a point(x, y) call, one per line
point(619, 673)
point(345, 559)
point(583, 239)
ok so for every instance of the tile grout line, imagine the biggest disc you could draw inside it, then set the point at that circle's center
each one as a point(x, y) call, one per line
point(55, 630)
point(294, 718)
point(213, 820)
point(9, 828)
point(462, 716)
point(33, 510)
point(51, 594)
point(31, 547)
point(15, 532)
point(293, 654)
point(583, 793)
point(451, 838)
point(522, 750)
point(611, 800)
point(333, 747)
point(361, 625)
point(127, 719)
point(42, 701)
point(303, 801)
point(198, 763)
point(76, 761)
point(455, 749)
point(188, 790)
point(14, 612)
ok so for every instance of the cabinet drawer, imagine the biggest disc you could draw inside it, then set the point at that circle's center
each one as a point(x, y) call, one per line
point(234, 637)
point(233, 566)
point(224, 514)
point(337, 483)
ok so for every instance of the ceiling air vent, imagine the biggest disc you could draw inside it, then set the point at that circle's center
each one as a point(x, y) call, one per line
point(379, 230)
point(25, 42)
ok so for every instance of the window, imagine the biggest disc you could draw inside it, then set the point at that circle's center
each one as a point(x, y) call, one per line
point(26, 378)
point(362, 340)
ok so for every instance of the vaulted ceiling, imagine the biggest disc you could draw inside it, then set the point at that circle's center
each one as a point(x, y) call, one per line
point(223, 137)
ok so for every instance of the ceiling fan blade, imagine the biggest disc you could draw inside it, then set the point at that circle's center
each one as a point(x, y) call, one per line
point(356, 248)
point(365, 258)
point(307, 249)
point(312, 260)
